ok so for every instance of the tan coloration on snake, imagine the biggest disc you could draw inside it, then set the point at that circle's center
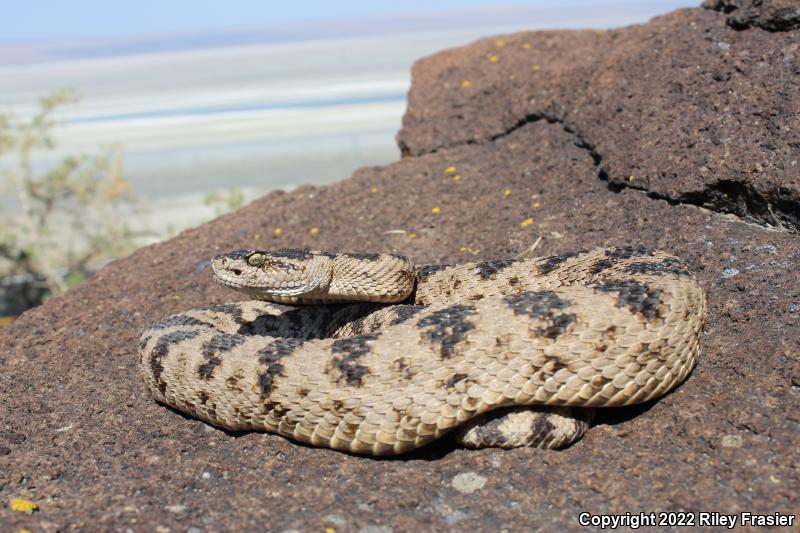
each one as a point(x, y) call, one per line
point(600, 328)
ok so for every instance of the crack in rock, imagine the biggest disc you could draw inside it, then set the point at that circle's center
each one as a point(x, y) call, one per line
point(724, 196)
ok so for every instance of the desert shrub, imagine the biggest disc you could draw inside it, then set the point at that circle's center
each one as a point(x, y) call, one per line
point(58, 225)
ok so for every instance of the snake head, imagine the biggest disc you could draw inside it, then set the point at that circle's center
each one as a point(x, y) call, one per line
point(274, 274)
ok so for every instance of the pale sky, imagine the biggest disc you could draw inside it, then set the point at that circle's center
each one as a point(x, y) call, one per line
point(27, 21)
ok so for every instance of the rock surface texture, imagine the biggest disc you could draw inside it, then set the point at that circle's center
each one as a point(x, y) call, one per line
point(680, 134)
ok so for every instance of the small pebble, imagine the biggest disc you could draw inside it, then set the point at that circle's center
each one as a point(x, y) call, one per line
point(372, 528)
point(731, 441)
point(335, 519)
point(468, 482)
point(206, 475)
point(455, 517)
point(729, 272)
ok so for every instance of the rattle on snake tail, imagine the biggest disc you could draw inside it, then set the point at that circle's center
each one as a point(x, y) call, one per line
point(506, 353)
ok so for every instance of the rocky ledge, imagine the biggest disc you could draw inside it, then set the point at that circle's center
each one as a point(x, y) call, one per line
point(680, 134)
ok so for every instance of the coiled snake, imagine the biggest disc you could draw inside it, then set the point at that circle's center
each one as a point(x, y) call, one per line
point(488, 348)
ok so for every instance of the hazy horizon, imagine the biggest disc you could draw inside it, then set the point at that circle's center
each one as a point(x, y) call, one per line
point(69, 39)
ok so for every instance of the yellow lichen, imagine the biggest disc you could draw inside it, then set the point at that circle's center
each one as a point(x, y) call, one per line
point(536, 205)
point(525, 223)
point(500, 43)
point(493, 58)
point(512, 77)
point(436, 210)
point(506, 193)
point(277, 231)
point(313, 231)
point(451, 169)
point(457, 178)
point(373, 189)
point(412, 235)
point(466, 84)
point(526, 46)
point(22, 505)
point(330, 530)
point(631, 178)
point(536, 68)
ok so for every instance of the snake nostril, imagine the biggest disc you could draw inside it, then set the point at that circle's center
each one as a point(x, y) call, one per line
point(236, 271)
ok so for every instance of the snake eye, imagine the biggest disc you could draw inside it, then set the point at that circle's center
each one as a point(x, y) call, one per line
point(255, 259)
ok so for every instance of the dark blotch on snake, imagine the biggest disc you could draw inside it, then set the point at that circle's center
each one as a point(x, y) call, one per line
point(455, 378)
point(143, 343)
point(160, 350)
point(217, 345)
point(347, 353)
point(636, 296)
point(537, 304)
point(542, 305)
point(404, 312)
point(179, 320)
point(487, 432)
point(541, 429)
point(667, 266)
point(448, 326)
point(291, 253)
point(615, 255)
point(487, 269)
point(559, 325)
point(425, 271)
point(271, 357)
point(551, 263)
point(400, 365)
point(626, 252)
point(601, 266)
point(290, 323)
point(232, 382)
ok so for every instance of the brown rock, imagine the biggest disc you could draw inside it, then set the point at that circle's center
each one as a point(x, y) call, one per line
point(686, 107)
point(94, 451)
point(774, 15)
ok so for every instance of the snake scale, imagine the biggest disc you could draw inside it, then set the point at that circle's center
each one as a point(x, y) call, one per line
point(370, 354)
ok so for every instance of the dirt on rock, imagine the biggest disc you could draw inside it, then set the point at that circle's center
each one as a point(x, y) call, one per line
point(679, 134)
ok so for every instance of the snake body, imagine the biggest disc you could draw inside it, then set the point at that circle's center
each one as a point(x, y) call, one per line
point(488, 348)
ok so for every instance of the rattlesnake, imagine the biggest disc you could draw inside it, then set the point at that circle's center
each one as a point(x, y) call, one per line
point(599, 328)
